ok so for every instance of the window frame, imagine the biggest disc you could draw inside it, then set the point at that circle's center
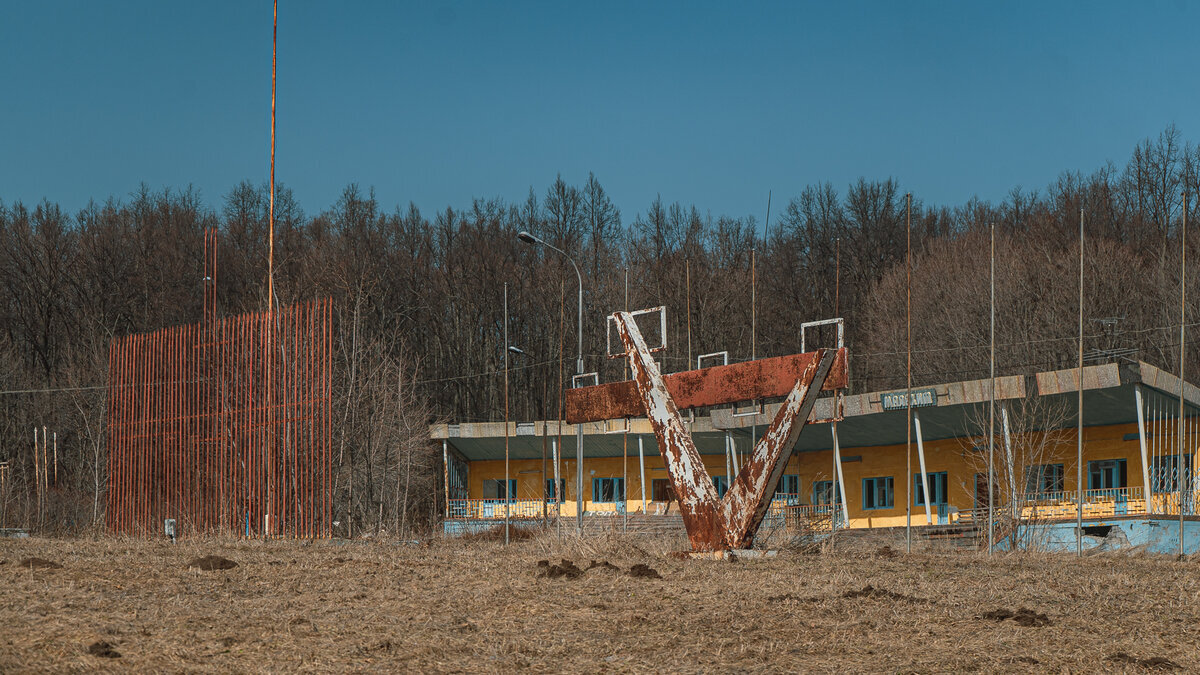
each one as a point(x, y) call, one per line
point(498, 482)
point(618, 489)
point(548, 490)
point(940, 491)
point(888, 483)
point(1053, 473)
point(819, 492)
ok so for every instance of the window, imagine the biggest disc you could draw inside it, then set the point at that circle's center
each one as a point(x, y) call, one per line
point(608, 490)
point(1106, 474)
point(562, 489)
point(938, 488)
point(494, 489)
point(1043, 478)
point(722, 485)
point(877, 493)
point(826, 492)
point(660, 490)
point(1164, 476)
point(788, 485)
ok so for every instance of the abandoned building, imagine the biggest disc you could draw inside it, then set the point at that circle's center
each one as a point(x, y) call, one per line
point(869, 470)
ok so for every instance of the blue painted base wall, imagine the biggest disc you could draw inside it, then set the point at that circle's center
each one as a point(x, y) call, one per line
point(1149, 535)
point(457, 528)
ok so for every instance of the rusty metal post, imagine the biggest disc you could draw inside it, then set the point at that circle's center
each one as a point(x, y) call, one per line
point(712, 522)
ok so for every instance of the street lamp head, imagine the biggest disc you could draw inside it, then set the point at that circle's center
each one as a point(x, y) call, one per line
point(516, 350)
point(526, 237)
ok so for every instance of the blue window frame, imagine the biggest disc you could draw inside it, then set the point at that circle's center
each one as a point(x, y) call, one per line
point(562, 490)
point(1043, 479)
point(789, 484)
point(1106, 474)
point(494, 489)
point(938, 488)
point(826, 492)
point(608, 490)
point(722, 485)
point(877, 493)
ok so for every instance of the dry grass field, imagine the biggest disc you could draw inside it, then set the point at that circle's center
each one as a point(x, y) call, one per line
point(479, 606)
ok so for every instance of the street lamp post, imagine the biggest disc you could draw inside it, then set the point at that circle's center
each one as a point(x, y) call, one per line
point(530, 239)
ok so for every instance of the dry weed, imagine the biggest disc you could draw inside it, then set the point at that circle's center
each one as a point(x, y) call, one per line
point(455, 605)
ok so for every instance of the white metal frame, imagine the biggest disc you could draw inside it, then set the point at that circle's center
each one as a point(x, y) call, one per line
point(662, 326)
point(841, 331)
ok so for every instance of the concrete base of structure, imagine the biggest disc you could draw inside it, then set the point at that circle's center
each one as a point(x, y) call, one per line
point(1130, 534)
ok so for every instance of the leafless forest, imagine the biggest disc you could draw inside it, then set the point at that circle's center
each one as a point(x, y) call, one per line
point(418, 300)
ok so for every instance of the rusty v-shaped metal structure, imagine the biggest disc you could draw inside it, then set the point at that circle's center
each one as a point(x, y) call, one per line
point(714, 523)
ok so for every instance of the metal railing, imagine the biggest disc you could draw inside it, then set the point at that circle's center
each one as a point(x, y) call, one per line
point(491, 509)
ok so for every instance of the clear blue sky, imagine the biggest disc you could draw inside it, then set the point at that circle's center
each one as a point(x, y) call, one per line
point(705, 103)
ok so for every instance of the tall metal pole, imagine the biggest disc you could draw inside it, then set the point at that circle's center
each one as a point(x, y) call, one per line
point(1079, 403)
point(271, 203)
point(991, 477)
point(530, 239)
point(507, 491)
point(908, 391)
point(1182, 352)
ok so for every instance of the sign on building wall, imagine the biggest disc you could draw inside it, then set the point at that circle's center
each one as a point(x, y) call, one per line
point(921, 398)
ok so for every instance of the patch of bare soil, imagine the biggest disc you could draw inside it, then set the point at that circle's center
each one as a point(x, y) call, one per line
point(40, 564)
point(1022, 617)
point(1152, 663)
point(210, 563)
point(644, 571)
point(602, 565)
point(104, 650)
point(869, 591)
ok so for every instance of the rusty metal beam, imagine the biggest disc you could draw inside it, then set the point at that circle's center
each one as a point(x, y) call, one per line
point(713, 523)
point(751, 380)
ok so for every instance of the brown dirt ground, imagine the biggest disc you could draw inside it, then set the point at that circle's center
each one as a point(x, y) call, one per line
point(478, 606)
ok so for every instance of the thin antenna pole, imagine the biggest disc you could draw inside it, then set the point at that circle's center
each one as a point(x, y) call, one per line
point(687, 266)
point(1079, 402)
point(908, 391)
point(753, 307)
point(559, 497)
point(1182, 347)
point(837, 276)
point(507, 492)
point(992, 399)
point(271, 203)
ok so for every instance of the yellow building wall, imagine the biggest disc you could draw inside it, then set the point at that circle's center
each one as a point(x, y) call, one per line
point(954, 456)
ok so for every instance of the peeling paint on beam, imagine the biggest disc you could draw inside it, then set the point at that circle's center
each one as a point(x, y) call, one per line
point(713, 523)
point(751, 380)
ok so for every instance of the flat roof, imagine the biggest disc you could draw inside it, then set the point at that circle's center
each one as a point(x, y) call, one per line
point(950, 410)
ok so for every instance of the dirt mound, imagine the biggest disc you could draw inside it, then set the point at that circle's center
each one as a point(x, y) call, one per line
point(40, 564)
point(869, 591)
point(885, 552)
point(496, 533)
point(210, 563)
point(644, 571)
point(1022, 617)
point(104, 650)
point(604, 565)
point(1152, 663)
point(566, 568)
